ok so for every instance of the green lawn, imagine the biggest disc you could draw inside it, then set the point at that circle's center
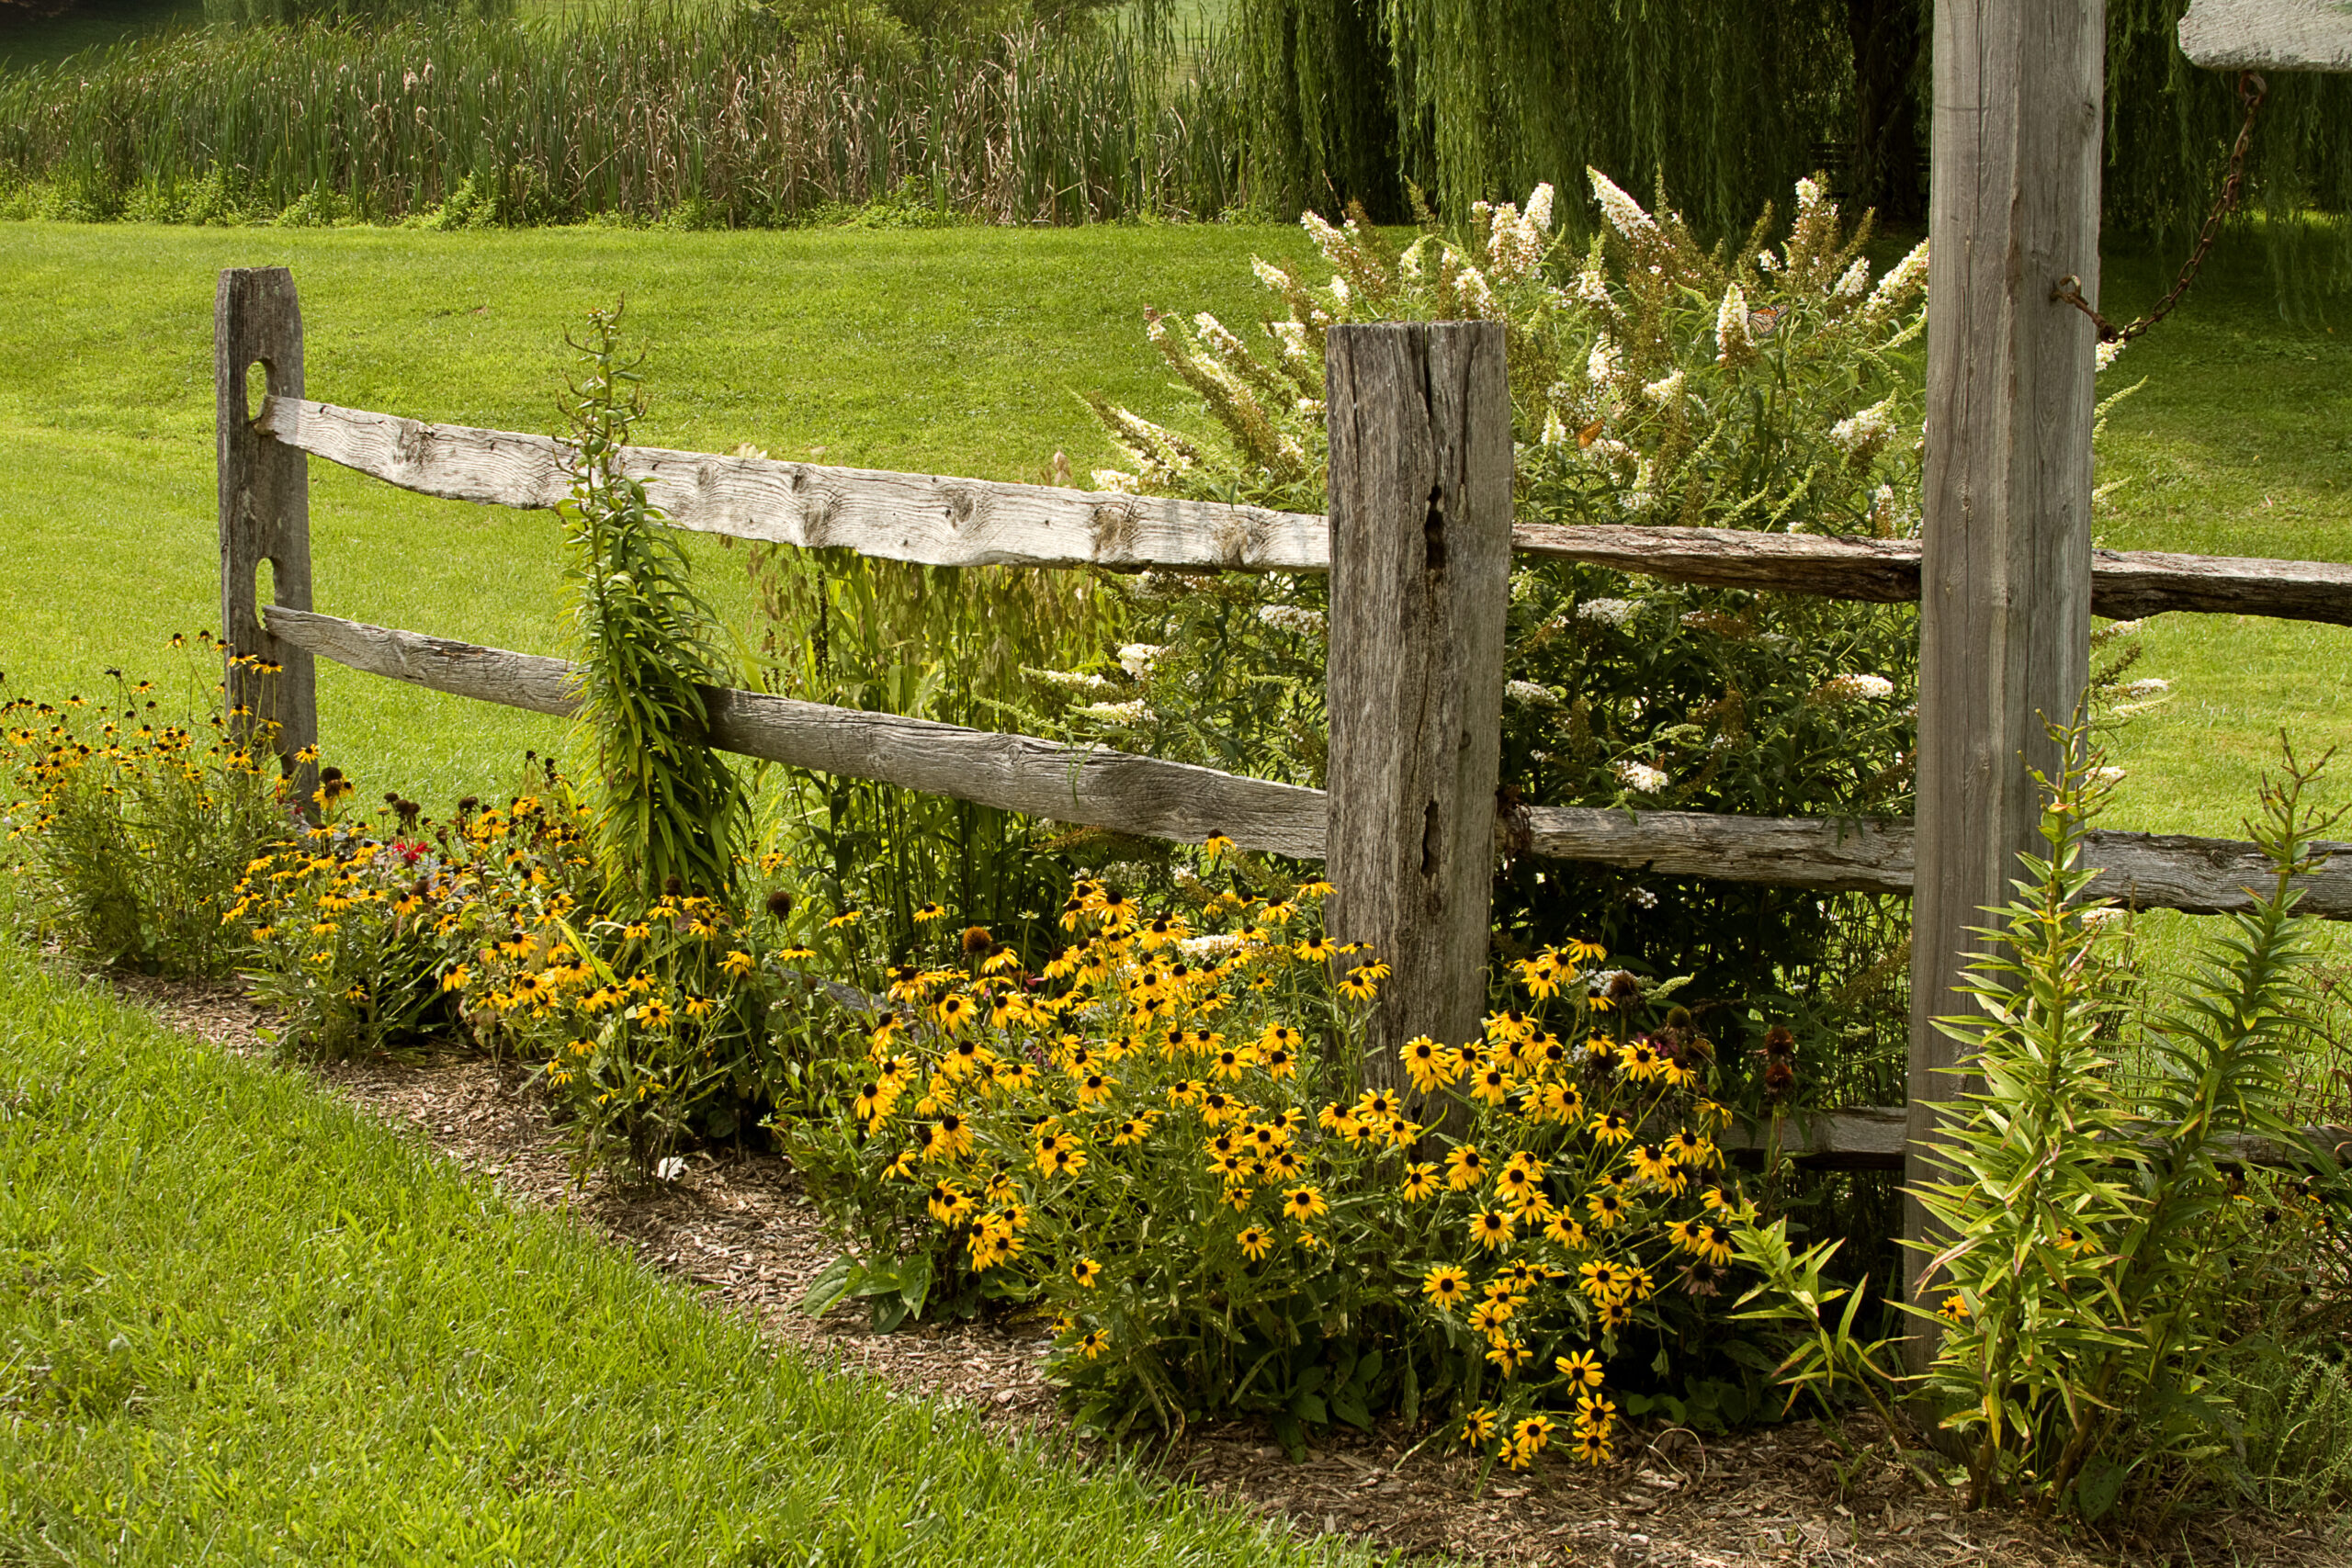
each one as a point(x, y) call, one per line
point(958, 351)
point(952, 351)
point(241, 1322)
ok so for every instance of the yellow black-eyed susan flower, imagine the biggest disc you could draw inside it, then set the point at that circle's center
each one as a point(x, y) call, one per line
point(1304, 1203)
point(1582, 1369)
point(1086, 1271)
point(1607, 1206)
point(1447, 1285)
point(1508, 1353)
point(1492, 1228)
point(1478, 1427)
point(1426, 1064)
point(1092, 1343)
point(1255, 1241)
point(1489, 1317)
point(1464, 1167)
point(1612, 1127)
point(1420, 1181)
point(927, 912)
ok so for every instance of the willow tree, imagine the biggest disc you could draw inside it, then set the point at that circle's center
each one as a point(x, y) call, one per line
point(1724, 101)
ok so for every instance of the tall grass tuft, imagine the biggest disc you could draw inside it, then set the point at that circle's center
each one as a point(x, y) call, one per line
point(714, 118)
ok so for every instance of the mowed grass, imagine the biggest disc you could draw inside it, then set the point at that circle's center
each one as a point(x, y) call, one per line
point(241, 1322)
point(955, 351)
point(959, 351)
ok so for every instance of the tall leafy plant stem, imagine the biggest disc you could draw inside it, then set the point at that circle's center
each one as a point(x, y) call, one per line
point(672, 817)
point(2223, 1067)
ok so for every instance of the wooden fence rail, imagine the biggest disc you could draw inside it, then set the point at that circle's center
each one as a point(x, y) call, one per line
point(1185, 804)
point(1421, 536)
point(961, 521)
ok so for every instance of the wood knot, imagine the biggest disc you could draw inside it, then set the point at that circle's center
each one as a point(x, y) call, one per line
point(961, 502)
point(1114, 523)
point(817, 514)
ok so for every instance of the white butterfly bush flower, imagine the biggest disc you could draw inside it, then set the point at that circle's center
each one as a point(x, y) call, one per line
point(1073, 680)
point(2147, 687)
point(1133, 712)
point(1895, 289)
point(1478, 297)
point(1555, 431)
point(2106, 353)
point(1270, 274)
point(1530, 693)
point(1860, 435)
point(1857, 688)
point(1601, 366)
point(1666, 389)
point(1592, 289)
point(1856, 282)
point(1621, 213)
point(1732, 344)
point(1609, 612)
point(1137, 658)
point(1539, 206)
point(1218, 337)
point(1291, 618)
point(1641, 777)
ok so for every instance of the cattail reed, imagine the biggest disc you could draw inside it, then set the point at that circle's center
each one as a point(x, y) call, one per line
point(718, 118)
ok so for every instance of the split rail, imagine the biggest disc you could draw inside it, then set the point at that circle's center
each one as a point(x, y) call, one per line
point(1417, 544)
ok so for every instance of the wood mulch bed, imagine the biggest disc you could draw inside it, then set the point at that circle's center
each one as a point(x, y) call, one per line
point(736, 1226)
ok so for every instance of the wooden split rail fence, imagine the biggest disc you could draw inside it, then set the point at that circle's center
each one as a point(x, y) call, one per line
point(1417, 544)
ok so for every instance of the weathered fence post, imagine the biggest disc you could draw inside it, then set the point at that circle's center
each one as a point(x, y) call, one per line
point(2005, 570)
point(1420, 579)
point(265, 513)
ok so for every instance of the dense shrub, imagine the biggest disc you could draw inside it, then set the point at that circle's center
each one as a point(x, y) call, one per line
point(1770, 385)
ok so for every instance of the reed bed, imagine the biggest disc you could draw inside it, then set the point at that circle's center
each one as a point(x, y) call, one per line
point(718, 118)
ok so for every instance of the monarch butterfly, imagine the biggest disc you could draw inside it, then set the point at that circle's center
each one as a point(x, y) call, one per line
point(1763, 322)
point(1588, 435)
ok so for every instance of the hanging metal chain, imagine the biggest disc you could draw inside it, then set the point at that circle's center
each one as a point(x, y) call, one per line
point(2252, 89)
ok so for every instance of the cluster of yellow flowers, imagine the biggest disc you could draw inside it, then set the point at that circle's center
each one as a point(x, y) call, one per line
point(1158, 1096)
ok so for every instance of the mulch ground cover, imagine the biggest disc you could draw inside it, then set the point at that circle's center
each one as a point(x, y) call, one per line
point(738, 1227)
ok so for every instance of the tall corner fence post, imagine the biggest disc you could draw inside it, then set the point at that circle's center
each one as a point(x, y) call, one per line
point(2006, 565)
point(1420, 497)
point(264, 517)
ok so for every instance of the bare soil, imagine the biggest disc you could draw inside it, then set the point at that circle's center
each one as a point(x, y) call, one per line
point(738, 1227)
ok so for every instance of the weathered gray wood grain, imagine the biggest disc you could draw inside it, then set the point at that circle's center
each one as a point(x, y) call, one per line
point(952, 521)
point(1138, 795)
point(2141, 871)
point(911, 517)
point(1884, 572)
point(265, 502)
point(2006, 565)
point(1420, 580)
point(1015, 772)
point(2268, 35)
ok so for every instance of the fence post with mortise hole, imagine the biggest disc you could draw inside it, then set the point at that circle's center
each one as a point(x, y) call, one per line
point(265, 516)
point(1420, 490)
